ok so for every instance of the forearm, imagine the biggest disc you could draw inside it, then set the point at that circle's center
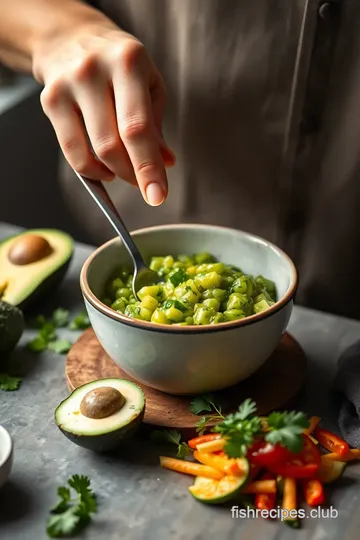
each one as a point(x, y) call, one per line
point(25, 25)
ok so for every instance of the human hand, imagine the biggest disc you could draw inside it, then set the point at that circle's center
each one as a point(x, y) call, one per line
point(101, 86)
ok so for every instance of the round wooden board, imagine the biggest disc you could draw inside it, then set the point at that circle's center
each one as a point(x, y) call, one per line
point(277, 382)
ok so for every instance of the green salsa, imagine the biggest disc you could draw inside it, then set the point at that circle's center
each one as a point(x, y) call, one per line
point(195, 290)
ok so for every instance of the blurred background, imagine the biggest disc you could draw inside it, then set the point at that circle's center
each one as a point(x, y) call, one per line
point(28, 144)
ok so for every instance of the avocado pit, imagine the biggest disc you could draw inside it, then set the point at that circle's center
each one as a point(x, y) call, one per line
point(101, 402)
point(29, 248)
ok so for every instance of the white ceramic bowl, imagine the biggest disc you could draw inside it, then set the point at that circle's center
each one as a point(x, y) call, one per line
point(191, 359)
point(6, 455)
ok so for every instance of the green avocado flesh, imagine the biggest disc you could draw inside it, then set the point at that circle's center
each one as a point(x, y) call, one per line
point(28, 279)
point(101, 434)
point(11, 327)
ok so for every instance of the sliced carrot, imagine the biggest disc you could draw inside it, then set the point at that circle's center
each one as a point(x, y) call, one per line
point(193, 443)
point(313, 422)
point(352, 454)
point(188, 467)
point(261, 486)
point(211, 446)
point(222, 463)
point(289, 502)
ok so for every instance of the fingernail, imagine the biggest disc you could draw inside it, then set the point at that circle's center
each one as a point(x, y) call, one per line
point(154, 194)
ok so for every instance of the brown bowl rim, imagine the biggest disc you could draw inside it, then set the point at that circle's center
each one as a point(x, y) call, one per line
point(193, 329)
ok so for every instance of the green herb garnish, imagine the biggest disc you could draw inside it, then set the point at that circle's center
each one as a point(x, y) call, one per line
point(171, 436)
point(80, 322)
point(241, 428)
point(60, 346)
point(9, 383)
point(207, 403)
point(60, 317)
point(71, 515)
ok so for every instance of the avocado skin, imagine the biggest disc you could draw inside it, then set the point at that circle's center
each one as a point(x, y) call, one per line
point(47, 286)
point(107, 441)
point(11, 327)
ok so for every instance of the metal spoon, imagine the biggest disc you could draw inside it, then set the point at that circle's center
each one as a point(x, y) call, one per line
point(143, 276)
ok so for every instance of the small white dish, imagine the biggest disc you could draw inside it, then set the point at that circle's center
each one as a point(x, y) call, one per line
point(6, 455)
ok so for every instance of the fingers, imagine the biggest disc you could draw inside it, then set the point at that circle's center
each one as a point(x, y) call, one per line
point(95, 100)
point(64, 116)
point(157, 94)
point(137, 127)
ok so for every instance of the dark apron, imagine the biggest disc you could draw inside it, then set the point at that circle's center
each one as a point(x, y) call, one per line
point(263, 116)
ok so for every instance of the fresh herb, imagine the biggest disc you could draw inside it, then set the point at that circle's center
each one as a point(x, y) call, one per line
point(9, 383)
point(80, 322)
point(241, 428)
point(60, 346)
point(71, 515)
point(178, 276)
point(207, 403)
point(286, 428)
point(173, 437)
point(61, 317)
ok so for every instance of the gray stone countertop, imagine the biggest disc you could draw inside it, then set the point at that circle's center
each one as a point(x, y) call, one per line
point(137, 499)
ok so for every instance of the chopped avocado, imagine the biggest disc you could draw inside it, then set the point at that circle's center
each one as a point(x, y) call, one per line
point(32, 263)
point(11, 327)
point(210, 491)
point(99, 415)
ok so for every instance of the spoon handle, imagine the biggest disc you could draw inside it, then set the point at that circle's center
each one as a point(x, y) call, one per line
point(102, 199)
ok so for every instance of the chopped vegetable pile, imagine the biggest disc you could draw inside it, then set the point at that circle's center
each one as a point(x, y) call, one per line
point(267, 461)
point(196, 290)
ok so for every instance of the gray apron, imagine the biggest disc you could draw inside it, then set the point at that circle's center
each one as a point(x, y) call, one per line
point(263, 115)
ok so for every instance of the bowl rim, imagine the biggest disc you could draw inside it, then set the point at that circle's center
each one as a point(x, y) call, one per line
point(5, 437)
point(193, 329)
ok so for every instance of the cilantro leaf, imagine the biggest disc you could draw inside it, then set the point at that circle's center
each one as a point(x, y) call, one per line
point(38, 344)
point(80, 322)
point(71, 515)
point(171, 436)
point(240, 429)
point(286, 428)
point(60, 346)
point(60, 317)
point(9, 383)
point(60, 525)
point(199, 405)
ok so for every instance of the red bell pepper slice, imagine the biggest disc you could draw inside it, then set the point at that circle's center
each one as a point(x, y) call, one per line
point(263, 453)
point(313, 492)
point(265, 501)
point(304, 464)
point(330, 441)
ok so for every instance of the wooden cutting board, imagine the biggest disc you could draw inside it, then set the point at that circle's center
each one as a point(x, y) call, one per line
point(274, 386)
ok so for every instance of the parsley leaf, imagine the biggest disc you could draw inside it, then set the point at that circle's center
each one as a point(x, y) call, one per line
point(199, 405)
point(80, 322)
point(38, 344)
point(60, 317)
point(60, 346)
point(9, 383)
point(286, 428)
point(171, 436)
point(239, 429)
point(202, 424)
point(71, 515)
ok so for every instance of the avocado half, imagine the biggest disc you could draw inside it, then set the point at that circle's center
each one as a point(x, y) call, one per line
point(11, 327)
point(33, 263)
point(106, 433)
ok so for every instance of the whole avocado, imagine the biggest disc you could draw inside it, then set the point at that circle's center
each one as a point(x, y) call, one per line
point(11, 327)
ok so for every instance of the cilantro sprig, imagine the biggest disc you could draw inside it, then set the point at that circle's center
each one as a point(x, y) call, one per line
point(9, 383)
point(242, 427)
point(73, 511)
point(207, 403)
point(47, 337)
point(172, 437)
